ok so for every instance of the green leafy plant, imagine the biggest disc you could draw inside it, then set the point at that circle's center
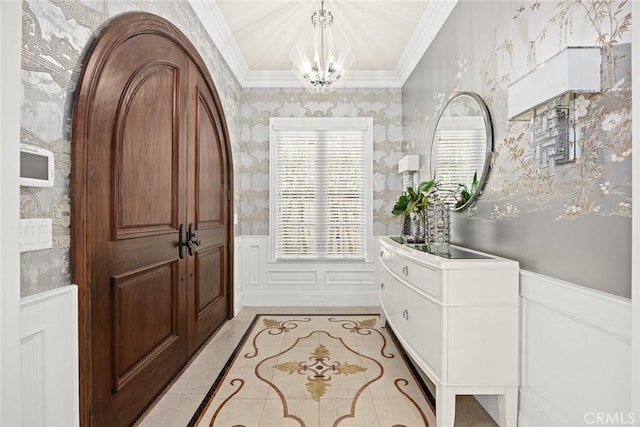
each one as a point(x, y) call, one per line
point(463, 193)
point(414, 201)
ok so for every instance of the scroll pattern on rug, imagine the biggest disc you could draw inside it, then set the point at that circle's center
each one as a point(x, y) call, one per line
point(316, 371)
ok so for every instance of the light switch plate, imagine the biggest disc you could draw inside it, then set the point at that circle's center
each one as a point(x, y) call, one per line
point(35, 233)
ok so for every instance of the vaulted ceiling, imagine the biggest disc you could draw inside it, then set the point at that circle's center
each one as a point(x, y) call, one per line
point(387, 37)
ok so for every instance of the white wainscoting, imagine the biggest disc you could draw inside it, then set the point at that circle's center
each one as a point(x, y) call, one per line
point(238, 297)
point(49, 350)
point(301, 283)
point(575, 342)
point(575, 355)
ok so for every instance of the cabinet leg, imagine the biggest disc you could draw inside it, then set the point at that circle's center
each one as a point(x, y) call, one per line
point(383, 318)
point(508, 407)
point(445, 406)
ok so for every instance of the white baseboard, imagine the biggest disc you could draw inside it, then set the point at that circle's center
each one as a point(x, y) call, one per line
point(490, 404)
point(49, 347)
point(238, 302)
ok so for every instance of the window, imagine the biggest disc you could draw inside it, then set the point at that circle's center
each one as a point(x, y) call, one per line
point(321, 188)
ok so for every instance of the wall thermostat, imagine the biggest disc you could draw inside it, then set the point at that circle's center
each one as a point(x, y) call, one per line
point(36, 166)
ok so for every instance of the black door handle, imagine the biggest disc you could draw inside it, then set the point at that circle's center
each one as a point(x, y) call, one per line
point(182, 240)
point(193, 240)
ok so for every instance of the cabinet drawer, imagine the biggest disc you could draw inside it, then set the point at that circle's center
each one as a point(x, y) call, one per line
point(414, 318)
point(424, 328)
point(390, 296)
point(427, 279)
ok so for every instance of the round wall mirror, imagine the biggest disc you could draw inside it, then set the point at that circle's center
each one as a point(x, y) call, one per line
point(461, 149)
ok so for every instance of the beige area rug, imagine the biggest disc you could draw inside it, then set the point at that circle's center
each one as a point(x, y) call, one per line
point(317, 371)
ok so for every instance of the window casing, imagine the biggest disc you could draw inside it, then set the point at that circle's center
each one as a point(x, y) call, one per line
point(321, 189)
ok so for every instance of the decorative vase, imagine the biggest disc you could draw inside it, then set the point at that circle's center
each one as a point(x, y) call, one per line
point(413, 228)
point(438, 225)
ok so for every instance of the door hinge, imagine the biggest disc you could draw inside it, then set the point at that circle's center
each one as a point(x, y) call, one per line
point(229, 195)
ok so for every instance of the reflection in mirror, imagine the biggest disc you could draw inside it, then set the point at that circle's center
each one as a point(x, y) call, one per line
point(461, 149)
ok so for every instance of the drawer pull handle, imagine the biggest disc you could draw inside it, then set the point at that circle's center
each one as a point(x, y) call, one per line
point(405, 271)
point(381, 254)
point(405, 314)
point(382, 285)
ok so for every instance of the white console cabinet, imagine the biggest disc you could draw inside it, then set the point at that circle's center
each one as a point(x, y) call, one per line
point(457, 316)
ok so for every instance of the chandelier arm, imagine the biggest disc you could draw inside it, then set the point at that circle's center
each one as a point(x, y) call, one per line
point(321, 58)
point(327, 68)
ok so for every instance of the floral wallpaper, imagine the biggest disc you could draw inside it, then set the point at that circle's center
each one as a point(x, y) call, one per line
point(572, 222)
point(56, 35)
point(384, 105)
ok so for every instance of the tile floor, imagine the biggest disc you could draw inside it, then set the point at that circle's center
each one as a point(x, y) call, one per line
point(178, 404)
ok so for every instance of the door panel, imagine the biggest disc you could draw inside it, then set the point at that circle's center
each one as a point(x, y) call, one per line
point(208, 263)
point(208, 302)
point(146, 167)
point(138, 333)
point(210, 179)
point(138, 326)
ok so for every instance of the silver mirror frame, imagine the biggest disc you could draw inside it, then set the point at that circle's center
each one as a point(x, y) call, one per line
point(489, 145)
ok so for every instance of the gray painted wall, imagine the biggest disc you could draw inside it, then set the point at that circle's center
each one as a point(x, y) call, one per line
point(574, 225)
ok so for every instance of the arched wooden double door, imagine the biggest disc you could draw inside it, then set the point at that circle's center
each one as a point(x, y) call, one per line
point(151, 206)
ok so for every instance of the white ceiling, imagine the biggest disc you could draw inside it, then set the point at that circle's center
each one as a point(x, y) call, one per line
point(387, 37)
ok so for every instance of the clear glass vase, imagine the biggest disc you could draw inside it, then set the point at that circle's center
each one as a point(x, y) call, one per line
point(413, 228)
point(438, 225)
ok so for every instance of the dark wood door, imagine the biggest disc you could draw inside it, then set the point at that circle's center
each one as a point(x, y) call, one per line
point(210, 196)
point(138, 327)
point(151, 157)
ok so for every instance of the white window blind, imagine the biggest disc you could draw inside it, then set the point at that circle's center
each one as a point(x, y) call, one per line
point(461, 146)
point(322, 193)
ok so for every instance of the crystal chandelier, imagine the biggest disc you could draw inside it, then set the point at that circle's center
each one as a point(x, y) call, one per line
point(323, 68)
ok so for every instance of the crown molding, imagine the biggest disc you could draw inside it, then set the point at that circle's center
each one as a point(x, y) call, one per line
point(434, 16)
point(216, 26)
point(355, 79)
point(432, 20)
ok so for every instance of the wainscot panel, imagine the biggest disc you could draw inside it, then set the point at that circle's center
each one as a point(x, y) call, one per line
point(49, 352)
point(299, 283)
point(238, 297)
point(575, 355)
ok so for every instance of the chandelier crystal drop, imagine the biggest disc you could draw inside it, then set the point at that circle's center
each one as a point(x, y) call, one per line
point(322, 64)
